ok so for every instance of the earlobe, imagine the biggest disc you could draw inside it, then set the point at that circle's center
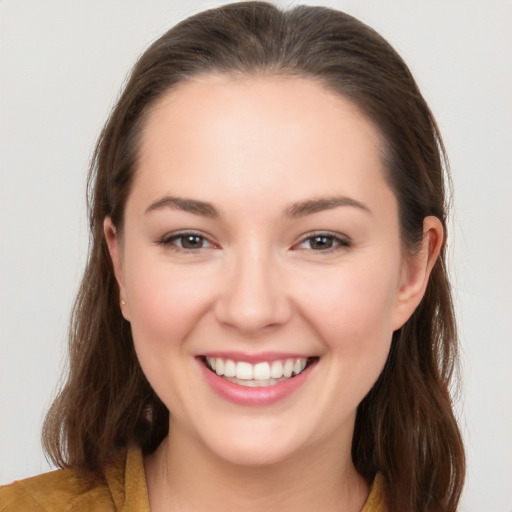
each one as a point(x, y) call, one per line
point(416, 271)
point(114, 249)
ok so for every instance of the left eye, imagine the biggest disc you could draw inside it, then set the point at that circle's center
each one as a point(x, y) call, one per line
point(323, 242)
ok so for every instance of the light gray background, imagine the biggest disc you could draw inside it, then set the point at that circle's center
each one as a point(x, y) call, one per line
point(61, 66)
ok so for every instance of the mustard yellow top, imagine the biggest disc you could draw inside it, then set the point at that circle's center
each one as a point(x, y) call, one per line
point(124, 490)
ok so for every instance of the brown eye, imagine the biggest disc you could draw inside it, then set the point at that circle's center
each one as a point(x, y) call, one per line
point(320, 243)
point(323, 242)
point(186, 242)
point(191, 241)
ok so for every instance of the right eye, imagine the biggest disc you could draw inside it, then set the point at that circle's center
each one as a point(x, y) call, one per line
point(186, 242)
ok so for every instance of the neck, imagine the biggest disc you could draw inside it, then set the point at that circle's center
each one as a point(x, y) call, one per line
point(183, 475)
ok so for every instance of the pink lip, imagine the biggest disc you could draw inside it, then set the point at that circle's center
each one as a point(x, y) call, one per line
point(256, 358)
point(242, 395)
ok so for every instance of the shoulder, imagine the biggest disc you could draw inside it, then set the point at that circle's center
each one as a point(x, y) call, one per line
point(66, 490)
point(377, 500)
point(60, 490)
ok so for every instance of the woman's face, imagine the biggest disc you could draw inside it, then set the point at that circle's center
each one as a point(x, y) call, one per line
point(260, 236)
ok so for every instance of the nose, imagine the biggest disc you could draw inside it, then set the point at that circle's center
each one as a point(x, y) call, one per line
point(253, 298)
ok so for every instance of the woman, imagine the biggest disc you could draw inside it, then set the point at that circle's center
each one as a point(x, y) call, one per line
point(266, 313)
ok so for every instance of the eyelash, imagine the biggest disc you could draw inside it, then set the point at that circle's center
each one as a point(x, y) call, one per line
point(337, 242)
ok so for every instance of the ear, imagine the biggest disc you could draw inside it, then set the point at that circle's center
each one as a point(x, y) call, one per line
point(115, 251)
point(416, 271)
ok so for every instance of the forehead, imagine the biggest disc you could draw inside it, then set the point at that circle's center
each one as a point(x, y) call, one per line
point(254, 102)
point(283, 136)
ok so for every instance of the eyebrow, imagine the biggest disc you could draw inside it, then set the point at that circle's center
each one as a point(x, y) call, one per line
point(187, 205)
point(299, 209)
point(320, 204)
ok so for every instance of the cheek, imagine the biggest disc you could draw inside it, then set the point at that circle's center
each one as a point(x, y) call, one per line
point(165, 301)
point(352, 308)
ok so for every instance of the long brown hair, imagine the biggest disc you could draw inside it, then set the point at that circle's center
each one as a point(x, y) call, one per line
point(405, 427)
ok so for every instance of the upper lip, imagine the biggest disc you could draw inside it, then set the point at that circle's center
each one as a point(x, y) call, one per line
point(256, 358)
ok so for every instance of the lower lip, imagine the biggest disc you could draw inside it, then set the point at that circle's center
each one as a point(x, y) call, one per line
point(242, 395)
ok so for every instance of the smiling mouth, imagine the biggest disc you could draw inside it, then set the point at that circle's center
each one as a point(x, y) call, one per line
point(262, 374)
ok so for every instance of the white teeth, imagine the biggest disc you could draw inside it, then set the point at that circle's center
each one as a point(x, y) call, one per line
point(244, 370)
point(229, 368)
point(260, 374)
point(261, 371)
point(219, 366)
point(256, 383)
point(276, 370)
point(288, 368)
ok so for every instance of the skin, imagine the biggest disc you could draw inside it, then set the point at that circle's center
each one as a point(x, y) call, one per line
point(258, 282)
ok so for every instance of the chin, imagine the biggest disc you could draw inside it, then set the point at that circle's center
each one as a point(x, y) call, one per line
point(254, 455)
point(253, 447)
